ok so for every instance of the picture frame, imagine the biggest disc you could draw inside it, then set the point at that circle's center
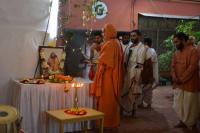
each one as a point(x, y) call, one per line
point(51, 60)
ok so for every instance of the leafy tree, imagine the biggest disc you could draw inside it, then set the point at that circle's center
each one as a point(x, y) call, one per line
point(188, 27)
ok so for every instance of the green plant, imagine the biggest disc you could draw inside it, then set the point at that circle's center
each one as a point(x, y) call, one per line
point(189, 28)
point(166, 57)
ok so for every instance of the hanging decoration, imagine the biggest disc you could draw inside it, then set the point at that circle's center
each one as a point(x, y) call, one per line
point(92, 10)
point(64, 16)
point(87, 15)
point(88, 18)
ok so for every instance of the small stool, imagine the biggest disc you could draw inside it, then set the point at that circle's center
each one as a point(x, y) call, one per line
point(62, 118)
point(8, 116)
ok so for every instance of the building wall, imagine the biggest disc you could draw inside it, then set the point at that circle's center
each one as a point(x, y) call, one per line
point(164, 7)
point(118, 15)
point(119, 12)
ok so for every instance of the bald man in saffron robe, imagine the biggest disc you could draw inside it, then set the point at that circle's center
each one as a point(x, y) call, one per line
point(108, 78)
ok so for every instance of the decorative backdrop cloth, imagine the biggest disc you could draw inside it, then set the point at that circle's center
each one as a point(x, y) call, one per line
point(32, 100)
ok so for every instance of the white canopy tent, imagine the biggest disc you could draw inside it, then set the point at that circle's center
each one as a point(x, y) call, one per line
point(22, 29)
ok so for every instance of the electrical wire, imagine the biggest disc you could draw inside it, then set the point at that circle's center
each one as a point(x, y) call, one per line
point(45, 35)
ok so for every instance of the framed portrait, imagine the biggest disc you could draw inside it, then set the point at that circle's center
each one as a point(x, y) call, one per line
point(51, 60)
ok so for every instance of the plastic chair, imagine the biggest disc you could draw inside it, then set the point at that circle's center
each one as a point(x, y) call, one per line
point(8, 117)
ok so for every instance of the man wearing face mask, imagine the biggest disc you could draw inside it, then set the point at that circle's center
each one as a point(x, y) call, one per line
point(135, 55)
point(184, 71)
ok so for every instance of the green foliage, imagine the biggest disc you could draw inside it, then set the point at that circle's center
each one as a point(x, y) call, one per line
point(185, 27)
point(169, 43)
point(197, 36)
point(166, 57)
point(189, 28)
point(165, 61)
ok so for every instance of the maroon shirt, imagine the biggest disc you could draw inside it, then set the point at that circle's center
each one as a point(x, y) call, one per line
point(185, 68)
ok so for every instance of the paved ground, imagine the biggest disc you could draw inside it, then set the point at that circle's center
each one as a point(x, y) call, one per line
point(160, 119)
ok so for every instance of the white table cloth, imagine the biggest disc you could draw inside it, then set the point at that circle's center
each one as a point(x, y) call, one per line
point(32, 100)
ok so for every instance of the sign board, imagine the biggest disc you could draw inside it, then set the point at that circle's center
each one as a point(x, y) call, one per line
point(100, 10)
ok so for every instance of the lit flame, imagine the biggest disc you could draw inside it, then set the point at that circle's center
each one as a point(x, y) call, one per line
point(73, 85)
point(78, 85)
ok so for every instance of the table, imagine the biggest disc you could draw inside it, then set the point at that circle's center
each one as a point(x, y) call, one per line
point(63, 118)
point(33, 100)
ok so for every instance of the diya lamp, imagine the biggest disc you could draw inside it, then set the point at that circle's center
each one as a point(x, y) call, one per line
point(76, 86)
point(75, 109)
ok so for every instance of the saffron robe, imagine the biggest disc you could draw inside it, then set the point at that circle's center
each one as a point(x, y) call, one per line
point(108, 78)
point(108, 82)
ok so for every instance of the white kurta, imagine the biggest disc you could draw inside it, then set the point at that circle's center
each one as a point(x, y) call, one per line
point(131, 90)
point(123, 46)
point(148, 88)
point(96, 55)
point(186, 105)
point(154, 58)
